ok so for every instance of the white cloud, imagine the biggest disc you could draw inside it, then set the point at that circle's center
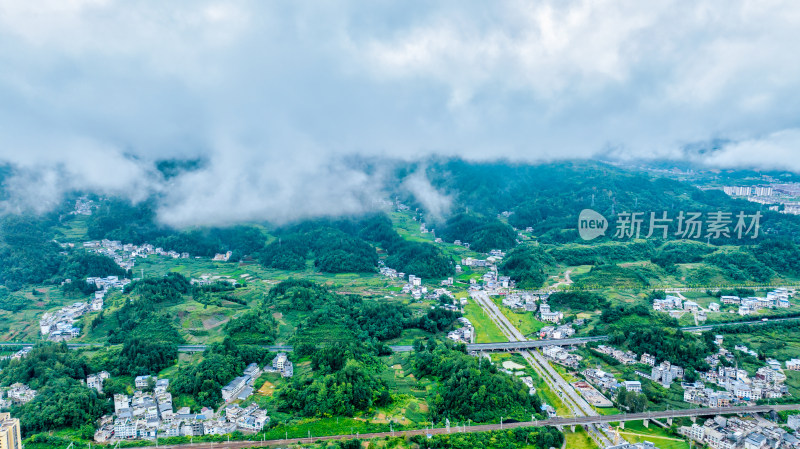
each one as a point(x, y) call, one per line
point(276, 95)
point(776, 151)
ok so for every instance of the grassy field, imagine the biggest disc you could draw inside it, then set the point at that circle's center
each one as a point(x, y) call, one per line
point(73, 230)
point(485, 329)
point(635, 432)
point(526, 322)
point(578, 439)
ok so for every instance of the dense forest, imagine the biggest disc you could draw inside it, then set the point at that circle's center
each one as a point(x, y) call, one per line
point(527, 265)
point(27, 253)
point(332, 250)
point(62, 401)
point(344, 379)
point(482, 233)
point(549, 197)
point(469, 387)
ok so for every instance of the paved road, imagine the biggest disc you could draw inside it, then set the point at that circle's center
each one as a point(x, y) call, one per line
point(488, 427)
point(569, 397)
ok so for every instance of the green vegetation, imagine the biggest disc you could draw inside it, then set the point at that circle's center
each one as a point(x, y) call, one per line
point(343, 380)
point(577, 300)
point(333, 251)
point(482, 233)
point(485, 329)
point(330, 317)
point(27, 254)
point(680, 252)
point(471, 388)
point(657, 335)
point(62, 401)
point(579, 440)
point(636, 432)
point(220, 364)
point(540, 438)
point(617, 276)
point(740, 266)
point(608, 252)
point(527, 265)
point(631, 401)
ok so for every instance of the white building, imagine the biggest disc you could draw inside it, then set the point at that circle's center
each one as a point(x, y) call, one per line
point(632, 385)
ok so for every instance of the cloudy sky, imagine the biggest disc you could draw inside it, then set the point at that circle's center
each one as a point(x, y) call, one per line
point(277, 95)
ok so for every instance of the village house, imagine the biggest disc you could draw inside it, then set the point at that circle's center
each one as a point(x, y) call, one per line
point(96, 380)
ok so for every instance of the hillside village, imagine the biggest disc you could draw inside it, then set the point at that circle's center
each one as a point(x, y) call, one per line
point(149, 412)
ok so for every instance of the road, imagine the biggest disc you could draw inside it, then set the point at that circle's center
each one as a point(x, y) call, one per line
point(562, 422)
point(567, 281)
point(571, 399)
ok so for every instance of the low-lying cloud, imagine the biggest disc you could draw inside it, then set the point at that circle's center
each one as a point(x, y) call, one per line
point(278, 96)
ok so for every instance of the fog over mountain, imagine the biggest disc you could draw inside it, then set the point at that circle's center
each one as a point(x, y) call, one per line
point(281, 99)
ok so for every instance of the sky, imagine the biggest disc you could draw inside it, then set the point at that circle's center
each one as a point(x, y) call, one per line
point(280, 97)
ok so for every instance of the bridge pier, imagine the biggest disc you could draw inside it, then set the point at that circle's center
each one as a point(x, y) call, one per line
point(572, 428)
point(669, 422)
point(646, 423)
point(694, 419)
point(622, 425)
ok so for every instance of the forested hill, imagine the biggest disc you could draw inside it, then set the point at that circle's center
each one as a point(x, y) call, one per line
point(549, 197)
point(491, 204)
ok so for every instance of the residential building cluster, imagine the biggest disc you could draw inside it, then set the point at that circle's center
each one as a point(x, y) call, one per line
point(19, 354)
point(748, 190)
point(125, 254)
point(207, 279)
point(736, 433)
point(768, 383)
point(149, 414)
point(96, 380)
point(465, 333)
point(521, 300)
point(666, 373)
point(478, 263)
point(16, 394)
point(562, 356)
point(104, 285)
point(624, 357)
point(280, 364)
point(556, 332)
point(414, 287)
point(668, 303)
point(83, 206)
point(222, 257)
point(493, 283)
point(550, 316)
point(607, 382)
point(60, 325)
point(778, 298)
